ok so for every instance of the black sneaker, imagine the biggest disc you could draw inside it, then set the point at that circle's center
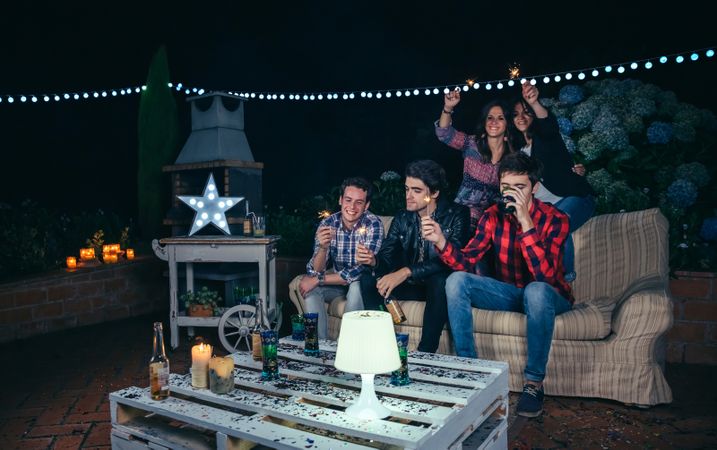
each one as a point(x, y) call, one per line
point(531, 401)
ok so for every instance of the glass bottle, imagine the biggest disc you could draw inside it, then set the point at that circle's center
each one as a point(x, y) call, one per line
point(256, 332)
point(248, 225)
point(158, 366)
point(394, 308)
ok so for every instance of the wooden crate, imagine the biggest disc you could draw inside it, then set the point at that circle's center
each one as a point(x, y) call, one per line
point(449, 399)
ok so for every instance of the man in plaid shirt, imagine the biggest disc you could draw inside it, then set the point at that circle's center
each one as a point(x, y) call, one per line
point(335, 248)
point(527, 237)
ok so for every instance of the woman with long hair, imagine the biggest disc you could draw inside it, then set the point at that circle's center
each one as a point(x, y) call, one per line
point(481, 152)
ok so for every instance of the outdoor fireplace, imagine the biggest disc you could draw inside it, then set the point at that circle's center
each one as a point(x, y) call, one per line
point(217, 145)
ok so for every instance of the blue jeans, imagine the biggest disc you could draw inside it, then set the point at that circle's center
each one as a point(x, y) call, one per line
point(317, 298)
point(539, 301)
point(579, 210)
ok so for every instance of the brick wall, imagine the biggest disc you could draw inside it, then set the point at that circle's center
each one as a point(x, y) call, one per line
point(67, 299)
point(693, 337)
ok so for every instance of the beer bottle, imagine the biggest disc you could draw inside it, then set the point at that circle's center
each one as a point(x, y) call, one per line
point(158, 366)
point(394, 308)
point(256, 332)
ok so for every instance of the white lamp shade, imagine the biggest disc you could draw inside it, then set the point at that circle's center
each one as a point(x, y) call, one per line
point(367, 343)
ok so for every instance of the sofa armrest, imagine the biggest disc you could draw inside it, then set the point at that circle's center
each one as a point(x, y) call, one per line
point(295, 295)
point(644, 314)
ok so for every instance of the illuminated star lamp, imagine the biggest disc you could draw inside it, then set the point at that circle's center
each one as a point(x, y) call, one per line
point(210, 207)
point(367, 346)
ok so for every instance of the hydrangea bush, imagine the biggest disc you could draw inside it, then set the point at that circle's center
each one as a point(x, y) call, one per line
point(644, 148)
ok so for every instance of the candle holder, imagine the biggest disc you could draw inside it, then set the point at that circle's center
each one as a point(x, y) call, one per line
point(221, 374)
point(400, 377)
point(71, 262)
point(311, 334)
point(297, 327)
point(129, 253)
point(270, 363)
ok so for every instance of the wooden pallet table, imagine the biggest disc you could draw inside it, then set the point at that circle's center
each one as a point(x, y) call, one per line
point(449, 400)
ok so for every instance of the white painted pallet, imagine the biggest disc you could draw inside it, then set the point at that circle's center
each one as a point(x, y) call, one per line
point(448, 400)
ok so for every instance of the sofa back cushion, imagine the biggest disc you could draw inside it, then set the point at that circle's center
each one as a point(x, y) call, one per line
point(619, 254)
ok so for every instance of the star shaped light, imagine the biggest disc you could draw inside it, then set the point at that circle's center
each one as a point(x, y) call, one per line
point(210, 207)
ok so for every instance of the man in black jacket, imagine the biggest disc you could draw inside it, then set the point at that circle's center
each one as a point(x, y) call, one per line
point(406, 265)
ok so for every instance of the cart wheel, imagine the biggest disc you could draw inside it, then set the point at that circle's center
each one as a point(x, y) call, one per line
point(235, 327)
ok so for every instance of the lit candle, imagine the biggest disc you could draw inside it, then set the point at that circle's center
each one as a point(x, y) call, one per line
point(221, 374)
point(200, 364)
point(107, 248)
point(87, 254)
point(115, 248)
point(71, 262)
point(130, 253)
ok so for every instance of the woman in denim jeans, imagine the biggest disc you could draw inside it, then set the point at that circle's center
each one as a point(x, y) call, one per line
point(536, 133)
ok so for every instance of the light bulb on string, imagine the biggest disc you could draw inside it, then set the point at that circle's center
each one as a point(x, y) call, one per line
point(621, 69)
point(557, 78)
point(499, 85)
point(608, 69)
point(435, 91)
point(648, 65)
point(581, 76)
point(399, 93)
point(488, 87)
point(633, 66)
point(595, 72)
point(568, 76)
point(679, 59)
point(694, 57)
point(511, 83)
point(546, 80)
point(709, 53)
point(663, 59)
point(388, 95)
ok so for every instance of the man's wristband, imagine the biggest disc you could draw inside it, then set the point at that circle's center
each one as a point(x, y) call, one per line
point(450, 113)
point(320, 277)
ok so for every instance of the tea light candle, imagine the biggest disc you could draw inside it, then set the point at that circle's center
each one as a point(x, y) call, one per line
point(200, 364)
point(87, 254)
point(221, 374)
point(71, 262)
point(130, 253)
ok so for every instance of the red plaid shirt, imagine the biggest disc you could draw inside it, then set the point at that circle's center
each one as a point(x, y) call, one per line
point(519, 258)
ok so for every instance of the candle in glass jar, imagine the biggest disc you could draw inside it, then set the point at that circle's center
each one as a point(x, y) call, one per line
point(87, 254)
point(115, 248)
point(221, 374)
point(71, 262)
point(130, 253)
point(200, 364)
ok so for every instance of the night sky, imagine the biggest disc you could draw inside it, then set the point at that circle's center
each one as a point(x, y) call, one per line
point(50, 151)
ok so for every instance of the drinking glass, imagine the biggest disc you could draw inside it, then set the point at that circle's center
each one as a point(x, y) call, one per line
point(311, 334)
point(400, 377)
point(259, 226)
point(270, 363)
point(297, 327)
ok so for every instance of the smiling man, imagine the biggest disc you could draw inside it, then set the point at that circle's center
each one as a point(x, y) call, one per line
point(527, 237)
point(407, 266)
point(335, 246)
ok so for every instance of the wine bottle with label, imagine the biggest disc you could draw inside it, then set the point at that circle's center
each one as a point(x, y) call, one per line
point(158, 366)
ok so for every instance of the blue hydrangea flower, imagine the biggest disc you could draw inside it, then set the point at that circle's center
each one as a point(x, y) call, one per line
point(688, 114)
point(642, 106)
point(648, 91)
point(390, 175)
point(547, 102)
point(684, 132)
point(584, 115)
point(611, 87)
point(565, 125)
point(571, 94)
point(600, 180)
point(569, 143)
point(605, 120)
point(591, 146)
point(659, 133)
point(615, 138)
point(695, 172)
point(682, 193)
point(633, 123)
point(708, 231)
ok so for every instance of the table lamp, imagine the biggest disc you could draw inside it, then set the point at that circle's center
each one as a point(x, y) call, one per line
point(367, 346)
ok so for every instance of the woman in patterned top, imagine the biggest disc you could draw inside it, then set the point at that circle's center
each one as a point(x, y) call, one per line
point(481, 152)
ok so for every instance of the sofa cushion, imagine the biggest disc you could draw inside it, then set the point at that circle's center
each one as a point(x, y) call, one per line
point(584, 322)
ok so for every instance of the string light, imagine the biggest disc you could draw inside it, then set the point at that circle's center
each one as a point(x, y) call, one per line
point(514, 73)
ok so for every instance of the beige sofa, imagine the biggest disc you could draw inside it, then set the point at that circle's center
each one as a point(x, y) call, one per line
point(611, 344)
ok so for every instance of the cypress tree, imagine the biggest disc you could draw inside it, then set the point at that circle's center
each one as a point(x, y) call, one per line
point(158, 132)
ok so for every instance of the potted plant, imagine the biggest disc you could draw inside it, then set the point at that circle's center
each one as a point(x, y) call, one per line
point(202, 303)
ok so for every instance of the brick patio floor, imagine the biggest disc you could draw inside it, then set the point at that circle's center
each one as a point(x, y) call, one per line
point(54, 388)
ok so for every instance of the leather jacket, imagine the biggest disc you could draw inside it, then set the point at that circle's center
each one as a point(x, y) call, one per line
point(400, 248)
